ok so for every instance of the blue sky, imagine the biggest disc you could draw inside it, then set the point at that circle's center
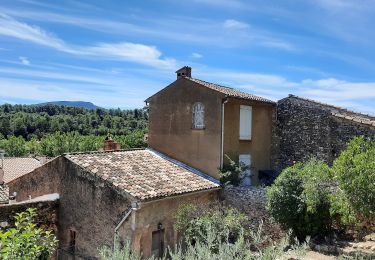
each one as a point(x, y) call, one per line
point(117, 53)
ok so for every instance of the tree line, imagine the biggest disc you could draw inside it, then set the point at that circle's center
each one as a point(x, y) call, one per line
point(35, 121)
point(59, 143)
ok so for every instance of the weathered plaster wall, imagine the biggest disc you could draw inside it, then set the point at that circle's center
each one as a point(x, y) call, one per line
point(170, 125)
point(88, 205)
point(145, 220)
point(306, 129)
point(259, 147)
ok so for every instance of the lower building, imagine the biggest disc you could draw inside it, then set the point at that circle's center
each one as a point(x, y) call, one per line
point(131, 194)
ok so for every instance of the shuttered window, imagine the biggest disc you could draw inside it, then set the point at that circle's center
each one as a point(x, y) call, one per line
point(245, 122)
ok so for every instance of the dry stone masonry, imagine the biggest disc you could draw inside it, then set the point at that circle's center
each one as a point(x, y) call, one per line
point(308, 128)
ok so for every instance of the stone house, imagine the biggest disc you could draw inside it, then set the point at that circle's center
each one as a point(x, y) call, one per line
point(308, 128)
point(198, 123)
point(133, 194)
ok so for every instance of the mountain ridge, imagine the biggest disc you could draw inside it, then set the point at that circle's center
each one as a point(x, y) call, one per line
point(83, 104)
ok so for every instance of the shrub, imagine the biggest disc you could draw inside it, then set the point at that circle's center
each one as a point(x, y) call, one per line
point(231, 173)
point(25, 240)
point(299, 198)
point(354, 170)
point(196, 221)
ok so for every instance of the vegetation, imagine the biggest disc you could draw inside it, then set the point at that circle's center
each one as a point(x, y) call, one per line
point(59, 143)
point(25, 240)
point(35, 121)
point(195, 222)
point(299, 198)
point(231, 173)
point(310, 197)
point(354, 171)
point(213, 239)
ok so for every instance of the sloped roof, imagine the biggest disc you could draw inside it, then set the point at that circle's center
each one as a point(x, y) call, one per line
point(338, 111)
point(144, 174)
point(15, 167)
point(230, 92)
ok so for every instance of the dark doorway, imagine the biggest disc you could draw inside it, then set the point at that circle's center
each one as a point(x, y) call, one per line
point(157, 249)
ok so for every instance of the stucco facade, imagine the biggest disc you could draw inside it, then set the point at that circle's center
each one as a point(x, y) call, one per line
point(171, 132)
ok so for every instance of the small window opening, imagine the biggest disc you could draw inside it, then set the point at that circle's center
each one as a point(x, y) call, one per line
point(198, 116)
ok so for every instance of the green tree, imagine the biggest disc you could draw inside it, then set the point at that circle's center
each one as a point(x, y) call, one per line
point(300, 198)
point(354, 170)
point(25, 240)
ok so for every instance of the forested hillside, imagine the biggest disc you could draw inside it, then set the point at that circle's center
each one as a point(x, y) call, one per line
point(54, 129)
point(35, 121)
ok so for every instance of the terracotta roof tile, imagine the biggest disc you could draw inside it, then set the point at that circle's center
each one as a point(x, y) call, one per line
point(144, 174)
point(231, 92)
point(15, 167)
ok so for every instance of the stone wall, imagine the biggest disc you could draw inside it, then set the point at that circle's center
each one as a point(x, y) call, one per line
point(88, 205)
point(306, 128)
point(47, 213)
point(251, 201)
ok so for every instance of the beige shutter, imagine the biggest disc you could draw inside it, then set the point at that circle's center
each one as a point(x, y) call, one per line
point(245, 122)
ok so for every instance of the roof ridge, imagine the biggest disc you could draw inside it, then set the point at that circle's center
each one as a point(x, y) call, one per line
point(236, 93)
point(332, 106)
point(110, 151)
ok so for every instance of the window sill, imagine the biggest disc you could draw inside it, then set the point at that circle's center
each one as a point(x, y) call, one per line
point(198, 128)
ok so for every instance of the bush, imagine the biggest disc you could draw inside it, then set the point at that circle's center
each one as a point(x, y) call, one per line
point(354, 170)
point(25, 240)
point(196, 221)
point(231, 173)
point(203, 247)
point(300, 198)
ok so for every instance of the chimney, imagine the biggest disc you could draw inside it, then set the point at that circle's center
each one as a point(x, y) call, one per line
point(2, 152)
point(184, 72)
point(110, 145)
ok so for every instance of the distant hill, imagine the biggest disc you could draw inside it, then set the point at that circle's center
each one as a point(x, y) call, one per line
point(83, 104)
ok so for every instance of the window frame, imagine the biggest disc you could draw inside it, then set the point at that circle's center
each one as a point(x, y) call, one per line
point(245, 136)
point(195, 113)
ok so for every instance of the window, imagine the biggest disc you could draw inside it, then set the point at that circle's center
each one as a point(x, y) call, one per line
point(245, 122)
point(198, 116)
point(245, 161)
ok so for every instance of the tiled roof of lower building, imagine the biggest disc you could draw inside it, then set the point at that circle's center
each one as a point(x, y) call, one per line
point(230, 92)
point(144, 174)
point(338, 111)
point(15, 167)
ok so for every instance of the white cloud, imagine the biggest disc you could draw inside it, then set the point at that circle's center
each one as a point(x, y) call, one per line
point(196, 55)
point(134, 52)
point(353, 95)
point(234, 24)
point(24, 60)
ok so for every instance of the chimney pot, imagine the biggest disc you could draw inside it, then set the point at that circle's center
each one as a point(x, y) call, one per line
point(184, 72)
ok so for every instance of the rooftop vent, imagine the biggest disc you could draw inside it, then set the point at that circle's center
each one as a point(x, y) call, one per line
point(184, 72)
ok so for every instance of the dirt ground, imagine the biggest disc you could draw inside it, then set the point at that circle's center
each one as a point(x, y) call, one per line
point(311, 255)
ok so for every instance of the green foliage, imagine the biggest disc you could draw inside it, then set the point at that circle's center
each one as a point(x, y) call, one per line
point(354, 170)
point(300, 198)
point(119, 252)
point(215, 246)
point(25, 240)
point(231, 172)
point(35, 121)
point(59, 143)
point(195, 221)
